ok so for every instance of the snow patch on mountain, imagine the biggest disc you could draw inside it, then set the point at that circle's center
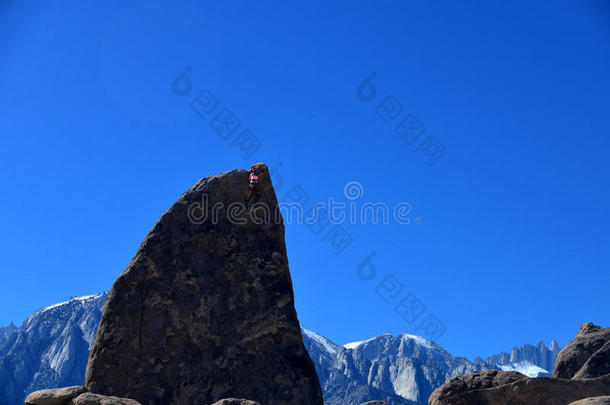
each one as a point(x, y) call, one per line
point(420, 341)
point(525, 367)
point(324, 342)
point(83, 299)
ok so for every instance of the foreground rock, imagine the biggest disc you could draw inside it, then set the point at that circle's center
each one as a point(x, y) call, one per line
point(96, 399)
point(528, 391)
point(473, 381)
point(375, 403)
point(57, 396)
point(235, 401)
point(593, 401)
point(589, 339)
point(205, 310)
point(74, 396)
point(584, 364)
point(597, 364)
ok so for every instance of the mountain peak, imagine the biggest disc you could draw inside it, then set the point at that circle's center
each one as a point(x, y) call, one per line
point(554, 347)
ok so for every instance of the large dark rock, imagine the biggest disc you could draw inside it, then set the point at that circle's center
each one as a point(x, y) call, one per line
point(589, 339)
point(205, 310)
point(455, 387)
point(528, 391)
point(596, 365)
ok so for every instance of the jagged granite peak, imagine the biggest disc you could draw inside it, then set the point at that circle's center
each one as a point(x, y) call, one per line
point(205, 310)
point(533, 360)
point(554, 347)
point(6, 332)
point(50, 348)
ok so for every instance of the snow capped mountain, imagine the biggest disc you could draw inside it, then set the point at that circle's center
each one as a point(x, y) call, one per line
point(329, 346)
point(404, 369)
point(50, 349)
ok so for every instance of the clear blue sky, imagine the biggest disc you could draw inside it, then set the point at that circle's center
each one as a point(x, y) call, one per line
point(513, 248)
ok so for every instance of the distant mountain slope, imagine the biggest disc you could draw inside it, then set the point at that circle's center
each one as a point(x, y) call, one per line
point(50, 349)
point(534, 361)
point(404, 369)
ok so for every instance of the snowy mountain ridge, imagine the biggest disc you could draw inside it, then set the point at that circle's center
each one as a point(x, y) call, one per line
point(405, 369)
point(51, 349)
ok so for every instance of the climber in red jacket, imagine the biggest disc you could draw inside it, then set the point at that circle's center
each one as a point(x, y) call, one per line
point(253, 185)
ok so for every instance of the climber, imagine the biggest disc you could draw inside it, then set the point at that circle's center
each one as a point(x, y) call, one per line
point(253, 184)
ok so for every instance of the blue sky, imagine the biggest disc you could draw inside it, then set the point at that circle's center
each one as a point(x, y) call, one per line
point(512, 247)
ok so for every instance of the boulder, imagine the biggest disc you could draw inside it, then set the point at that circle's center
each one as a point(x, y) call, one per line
point(527, 391)
point(593, 401)
point(596, 365)
point(473, 381)
point(95, 399)
point(205, 310)
point(589, 339)
point(375, 403)
point(235, 401)
point(58, 396)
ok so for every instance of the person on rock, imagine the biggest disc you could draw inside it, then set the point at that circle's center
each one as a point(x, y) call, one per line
point(253, 184)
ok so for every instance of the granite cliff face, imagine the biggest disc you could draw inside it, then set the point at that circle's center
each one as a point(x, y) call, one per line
point(50, 348)
point(205, 310)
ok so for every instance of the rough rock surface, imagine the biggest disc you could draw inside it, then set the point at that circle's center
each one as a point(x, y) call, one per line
point(589, 339)
point(59, 396)
point(596, 365)
point(473, 381)
point(539, 391)
point(235, 401)
point(76, 395)
point(605, 400)
point(205, 310)
point(96, 399)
